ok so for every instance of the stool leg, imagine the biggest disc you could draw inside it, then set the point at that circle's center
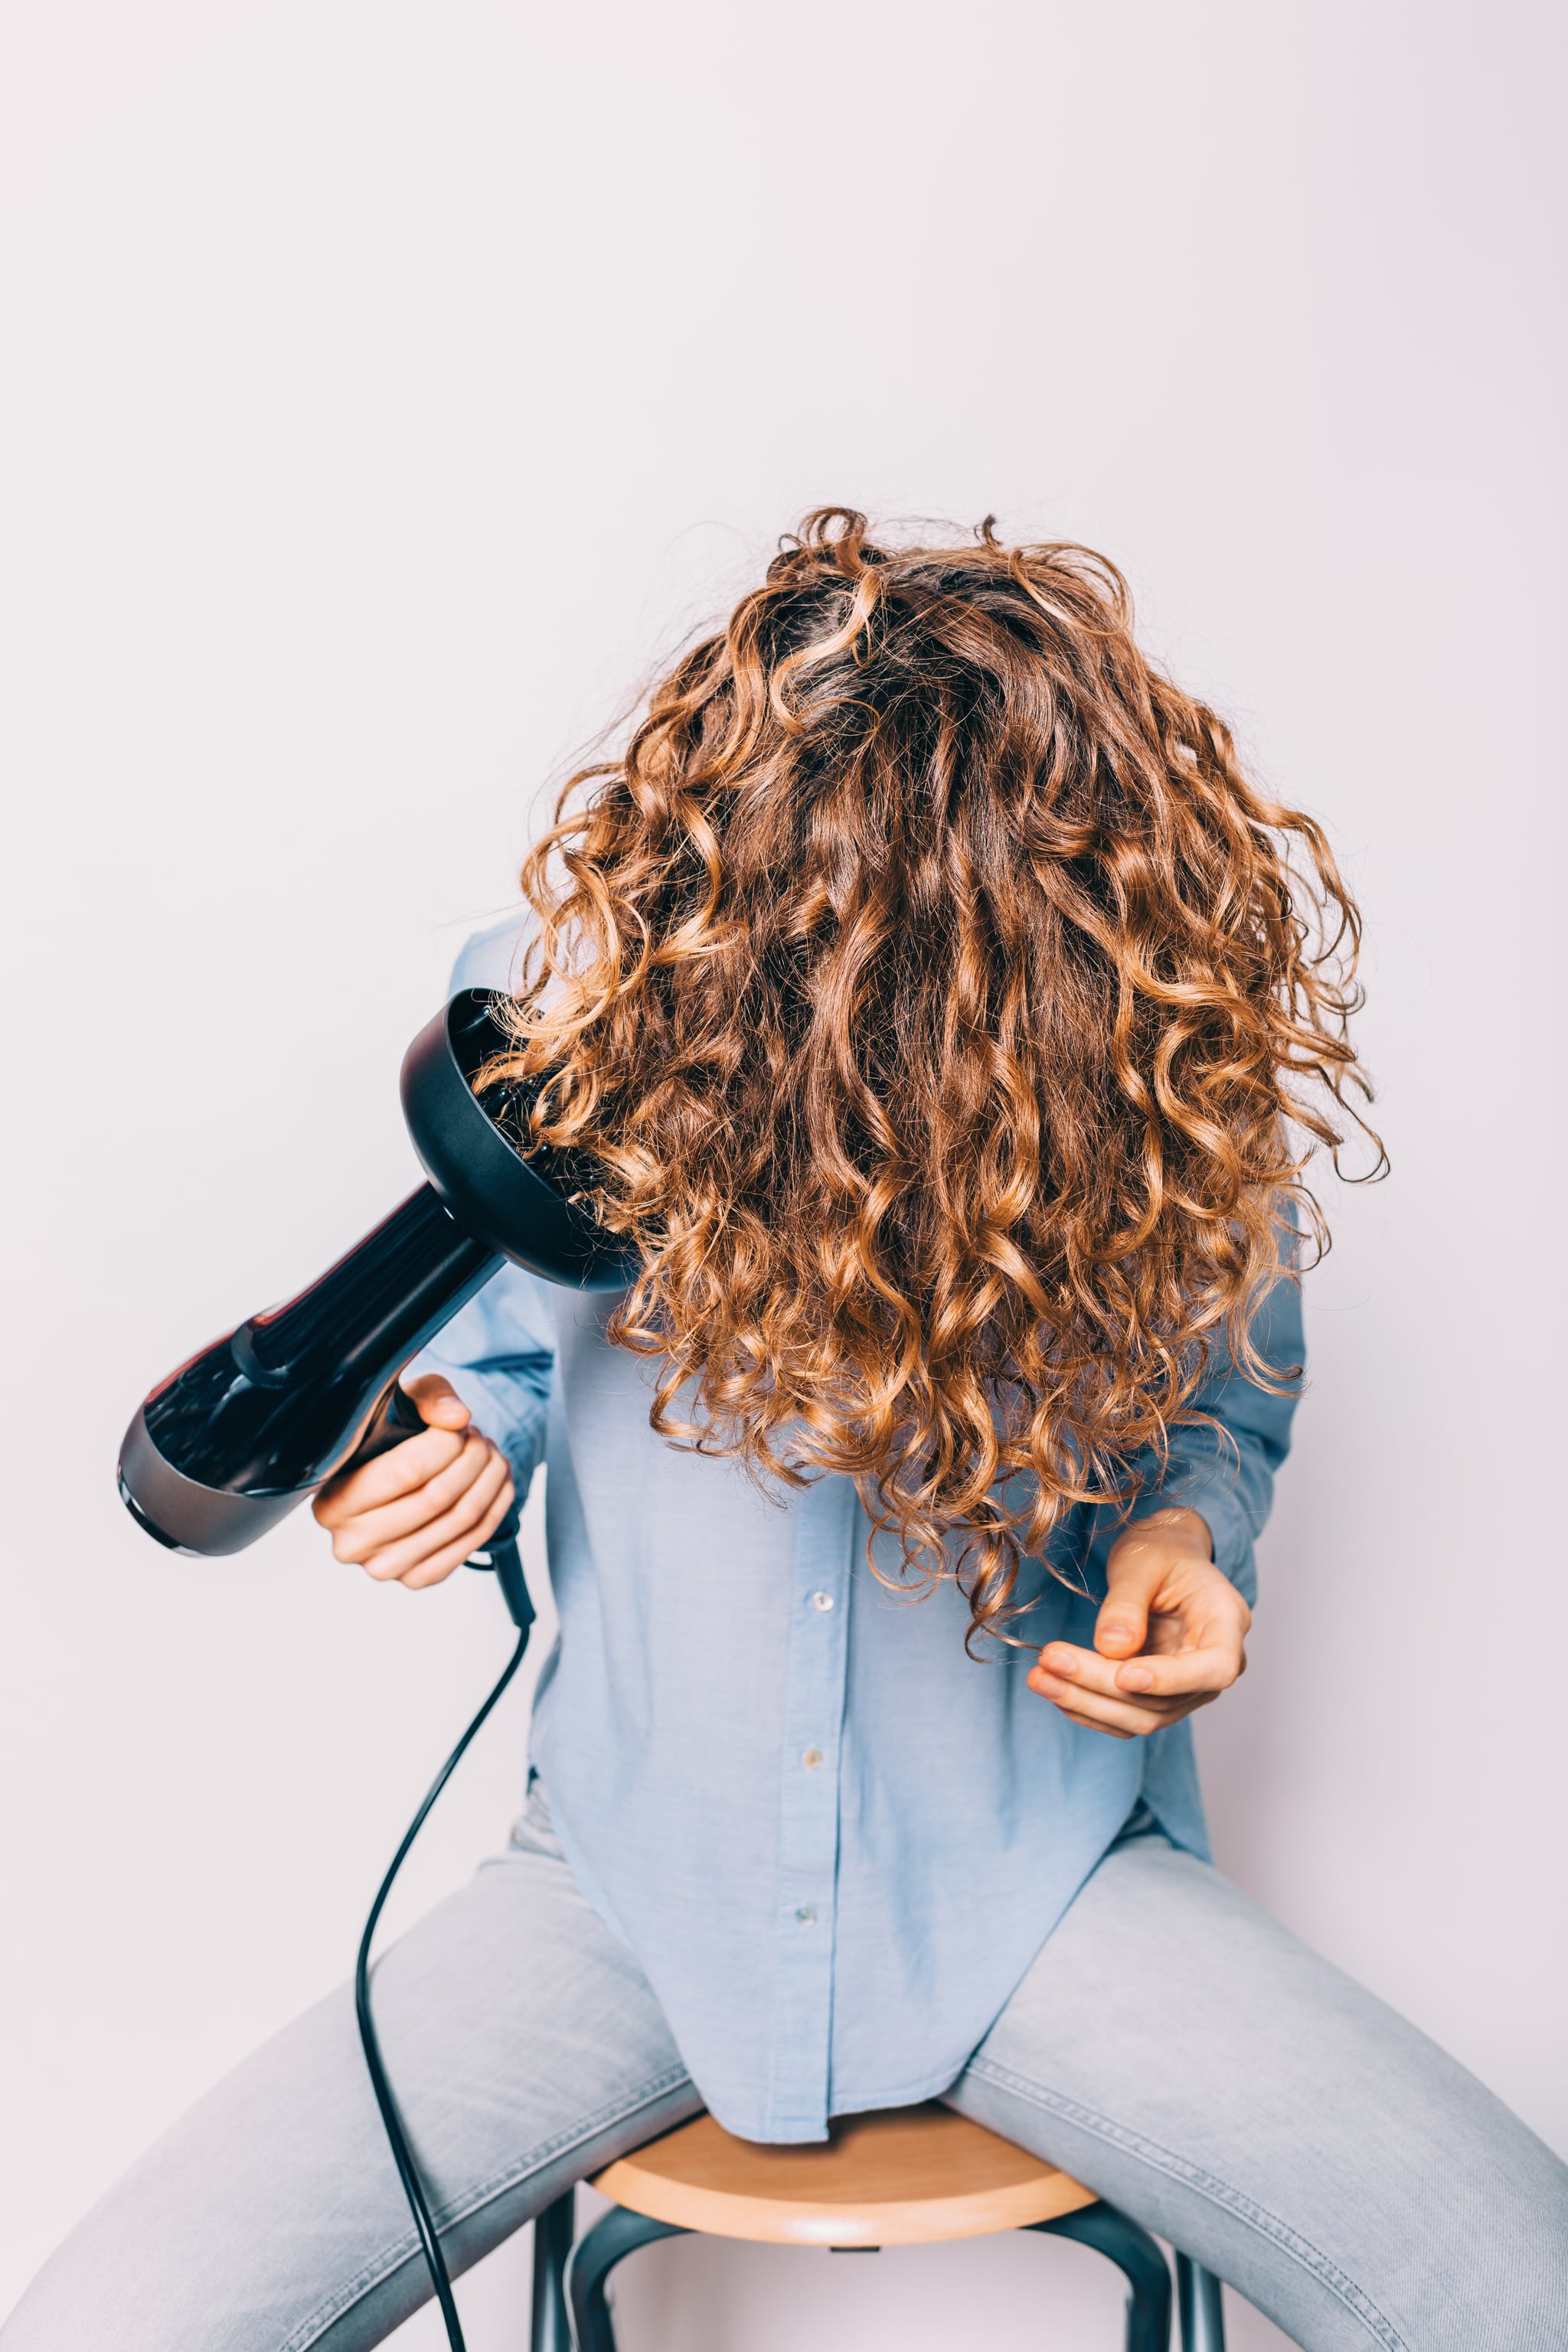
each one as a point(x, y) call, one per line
point(1198, 2301)
point(612, 2238)
point(551, 2330)
point(1134, 2250)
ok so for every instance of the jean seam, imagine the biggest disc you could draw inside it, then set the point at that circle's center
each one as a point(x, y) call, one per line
point(1218, 2192)
point(392, 2258)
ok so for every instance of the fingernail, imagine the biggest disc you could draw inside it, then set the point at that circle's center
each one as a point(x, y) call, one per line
point(1060, 1662)
point(1135, 1678)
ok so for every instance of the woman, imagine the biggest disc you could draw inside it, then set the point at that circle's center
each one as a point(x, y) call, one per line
point(947, 1020)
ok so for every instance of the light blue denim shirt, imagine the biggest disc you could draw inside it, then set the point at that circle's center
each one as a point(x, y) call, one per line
point(833, 1842)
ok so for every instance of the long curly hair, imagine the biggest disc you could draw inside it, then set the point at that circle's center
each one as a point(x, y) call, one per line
point(930, 998)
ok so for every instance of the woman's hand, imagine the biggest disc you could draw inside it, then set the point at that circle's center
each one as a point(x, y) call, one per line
point(1170, 1637)
point(414, 1513)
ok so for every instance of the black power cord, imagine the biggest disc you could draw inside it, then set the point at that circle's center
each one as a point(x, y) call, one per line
point(502, 1556)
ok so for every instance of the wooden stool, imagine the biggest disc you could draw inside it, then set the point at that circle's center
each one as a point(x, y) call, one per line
point(904, 2177)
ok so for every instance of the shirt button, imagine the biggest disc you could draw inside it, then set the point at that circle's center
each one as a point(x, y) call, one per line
point(806, 1916)
point(821, 1599)
point(811, 1758)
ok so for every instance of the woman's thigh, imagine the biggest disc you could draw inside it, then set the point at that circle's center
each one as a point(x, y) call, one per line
point(1175, 2049)
point(525, 2050)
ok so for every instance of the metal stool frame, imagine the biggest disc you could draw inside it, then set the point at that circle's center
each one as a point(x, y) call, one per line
point(570, 2313)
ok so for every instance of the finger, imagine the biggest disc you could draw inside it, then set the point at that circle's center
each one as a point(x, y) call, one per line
point(356, 1538)
point(389, 1550)
point(1082, 1668)
point(432, 1571)
point(402, 1471)
point(456, 1526)
point(439, 1404)
point(367, 1531)
point(1132, 1719)
point(1134, 1575)
point(439, 1564)
point(435, 1570)
point(1155, 1709)
point(1213, 1668)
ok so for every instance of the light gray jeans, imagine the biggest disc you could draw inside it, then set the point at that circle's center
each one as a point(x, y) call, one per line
point(1172, 2047)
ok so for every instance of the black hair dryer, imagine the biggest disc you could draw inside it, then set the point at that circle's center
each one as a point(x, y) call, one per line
point(231, 1441)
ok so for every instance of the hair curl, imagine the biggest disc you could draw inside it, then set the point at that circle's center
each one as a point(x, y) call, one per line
point(948, 1022)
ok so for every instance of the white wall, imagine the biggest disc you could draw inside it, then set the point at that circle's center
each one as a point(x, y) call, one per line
point(386, 383)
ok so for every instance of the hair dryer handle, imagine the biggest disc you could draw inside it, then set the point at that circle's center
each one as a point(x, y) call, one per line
point(501, 1553)
point(397, 1417)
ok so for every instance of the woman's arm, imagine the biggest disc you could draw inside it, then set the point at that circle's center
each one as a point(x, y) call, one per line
point(1172, 1632)
point(1225, 1471)
point(498, 1354)
point(412, 1516)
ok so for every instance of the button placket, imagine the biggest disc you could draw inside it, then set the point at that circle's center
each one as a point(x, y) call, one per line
point(809, 1814)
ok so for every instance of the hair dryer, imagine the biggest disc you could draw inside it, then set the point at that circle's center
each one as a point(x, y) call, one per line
point(233, 1439)
point(229, 1442)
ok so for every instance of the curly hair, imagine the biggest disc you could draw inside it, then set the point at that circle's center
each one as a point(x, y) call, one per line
point(947, 1020)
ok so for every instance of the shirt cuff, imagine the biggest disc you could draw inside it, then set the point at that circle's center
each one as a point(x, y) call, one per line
point(1219, 1506)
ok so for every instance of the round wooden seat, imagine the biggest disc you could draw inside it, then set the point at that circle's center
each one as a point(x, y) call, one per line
point(902, 2178)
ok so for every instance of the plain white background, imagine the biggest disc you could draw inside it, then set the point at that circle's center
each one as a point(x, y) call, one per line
point(385, 387)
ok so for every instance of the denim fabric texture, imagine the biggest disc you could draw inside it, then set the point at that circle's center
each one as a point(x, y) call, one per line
point(1171, 2046)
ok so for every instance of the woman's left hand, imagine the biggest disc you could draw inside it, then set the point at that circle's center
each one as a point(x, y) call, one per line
point(1170, 1637)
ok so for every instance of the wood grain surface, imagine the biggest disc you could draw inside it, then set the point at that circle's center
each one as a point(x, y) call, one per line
point(902, 2178)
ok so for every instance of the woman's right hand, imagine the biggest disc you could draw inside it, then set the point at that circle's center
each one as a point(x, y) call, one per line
point(413, 1515)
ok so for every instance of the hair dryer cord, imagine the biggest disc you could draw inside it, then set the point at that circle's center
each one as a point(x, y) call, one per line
point(403, 2155)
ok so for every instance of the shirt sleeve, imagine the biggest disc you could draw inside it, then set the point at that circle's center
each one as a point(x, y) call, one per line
point(1225, 1471)
point(499, 1352)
